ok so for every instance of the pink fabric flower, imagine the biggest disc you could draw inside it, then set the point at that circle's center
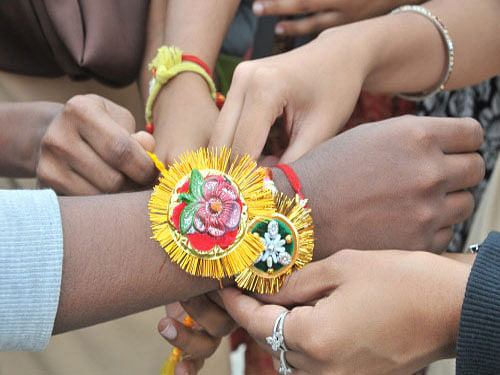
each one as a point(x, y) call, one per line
point(219, 210)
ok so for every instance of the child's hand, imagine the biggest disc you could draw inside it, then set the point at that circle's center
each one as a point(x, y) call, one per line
point(323, 14)
point(91, 148)
point(200, 342)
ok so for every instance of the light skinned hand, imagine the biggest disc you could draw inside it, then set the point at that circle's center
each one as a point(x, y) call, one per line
point(310, 95)
point(200, 342)
point(397, 183)
point(91, 147)
point(368, 312)
point(323, 14)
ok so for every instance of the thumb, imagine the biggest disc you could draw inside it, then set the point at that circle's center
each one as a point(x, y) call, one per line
point(145, 139)
point(313, 131)
point(304, 286)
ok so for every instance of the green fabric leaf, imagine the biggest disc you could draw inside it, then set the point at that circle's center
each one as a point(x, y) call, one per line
point(187, 217)
point(196, 184)
point(187, 198)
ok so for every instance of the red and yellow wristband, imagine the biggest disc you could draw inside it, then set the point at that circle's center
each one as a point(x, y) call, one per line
point(168, 63)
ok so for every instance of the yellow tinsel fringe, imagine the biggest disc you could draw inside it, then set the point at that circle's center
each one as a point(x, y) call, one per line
point(255, 280)
point(250, 184)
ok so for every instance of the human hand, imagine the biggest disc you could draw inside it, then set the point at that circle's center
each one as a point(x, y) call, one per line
point(325, 13)
point(397, 183)
point(383, 312)
point(200, 342)
point(310, 91)
point(91, 148)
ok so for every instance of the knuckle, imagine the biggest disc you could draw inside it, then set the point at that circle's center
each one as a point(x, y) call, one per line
point(77, 106)
point(121, 150)
point(468, 206)
point(422, 137)
point(475, 130)
point(425, 217)
point(478, 168)
point(114, 182)
point(433, 178)
point(51, 143)
point(242, 72)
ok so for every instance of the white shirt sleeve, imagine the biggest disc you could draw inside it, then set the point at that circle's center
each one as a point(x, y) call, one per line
point(31, 254)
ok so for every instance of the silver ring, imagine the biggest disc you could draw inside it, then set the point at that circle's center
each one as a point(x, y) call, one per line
point(284, 368)
point(277, 342)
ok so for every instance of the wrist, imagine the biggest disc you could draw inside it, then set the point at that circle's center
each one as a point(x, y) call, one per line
point(352, 42)
point(20, 143)
point(406, 54)
point(184, 114)
point(443, 301)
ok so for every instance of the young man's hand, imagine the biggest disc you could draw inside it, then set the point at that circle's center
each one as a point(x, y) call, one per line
point(91, 147)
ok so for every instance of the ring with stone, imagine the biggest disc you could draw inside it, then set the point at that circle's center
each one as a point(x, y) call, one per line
point(276, 341)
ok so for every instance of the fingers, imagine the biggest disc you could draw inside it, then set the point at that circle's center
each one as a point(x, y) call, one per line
point(92, 168)
point(188, 367)
point(146, 140)
point(441, 240)
point(304, 286)
point(259, 319)
point(252, 107)
point(208, 315)
point(310, 24)
point(457, 135)
point(62, 179)
point(308, 135)
point(457, 208)
point(121, 115)
point(195, 342)
point(118, 148)
point(288, 7)
point(464, 171)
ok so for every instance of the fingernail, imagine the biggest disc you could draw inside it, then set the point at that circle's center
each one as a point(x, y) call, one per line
point(181, 371)
point(279, 30)
point(169, 332)
point(258, 8)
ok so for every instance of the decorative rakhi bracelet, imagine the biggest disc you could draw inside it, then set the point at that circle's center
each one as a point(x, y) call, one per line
point(449, 50)
point(219, 219)
point(202, 209)
point(288, 238)
point(168, 63)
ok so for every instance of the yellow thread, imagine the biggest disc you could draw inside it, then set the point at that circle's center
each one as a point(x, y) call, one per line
point(167, 64)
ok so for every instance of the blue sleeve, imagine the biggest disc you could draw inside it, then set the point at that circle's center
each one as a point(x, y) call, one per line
point(31, 253)
point(478, 346)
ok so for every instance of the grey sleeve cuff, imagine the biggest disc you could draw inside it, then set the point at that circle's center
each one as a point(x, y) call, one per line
point(31, 255)
point(478, 346)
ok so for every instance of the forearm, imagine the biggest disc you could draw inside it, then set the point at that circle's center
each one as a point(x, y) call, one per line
point(197, 27)
point(111, 266)
point(23, 125)
point(406, 53)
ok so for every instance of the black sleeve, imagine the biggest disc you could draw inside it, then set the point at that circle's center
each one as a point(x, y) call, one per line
point(478, 346)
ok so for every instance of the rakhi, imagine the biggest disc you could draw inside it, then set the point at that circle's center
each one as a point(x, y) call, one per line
point(202, 208)
point(288, 238)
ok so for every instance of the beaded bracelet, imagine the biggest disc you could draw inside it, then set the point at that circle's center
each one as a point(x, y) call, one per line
point(449, 49)
point(168, 63)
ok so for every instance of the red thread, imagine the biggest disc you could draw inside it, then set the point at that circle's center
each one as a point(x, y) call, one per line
point(198, 61)
point(292, 177)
